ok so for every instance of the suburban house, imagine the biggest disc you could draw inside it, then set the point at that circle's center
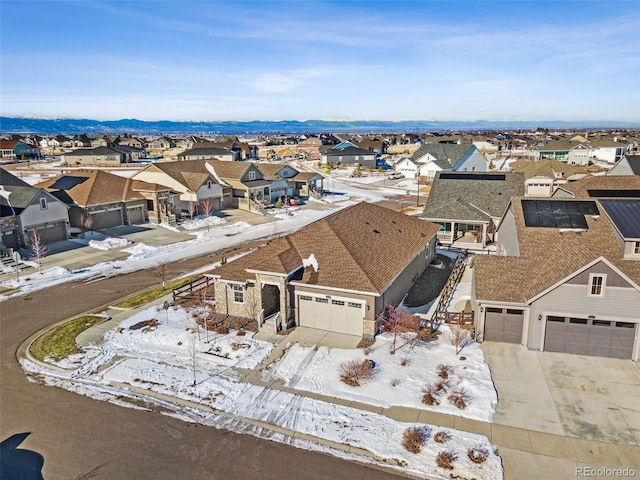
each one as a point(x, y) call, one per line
point(579, 150)
point(286, 181)
point(192, 181)
point(161, 143)
point(98, 156)
point(601, 186)
point(336, 274)
point(109, 200)
point(543, 177)
point(349, 155)
point(566, 277)
point(24, 208)
point(431, 158)
point(627, 165)
point(208, 152)
point(17, 149)
point(468, 206)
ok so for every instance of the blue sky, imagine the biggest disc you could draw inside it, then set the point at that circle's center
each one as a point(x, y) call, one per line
point(354, 60)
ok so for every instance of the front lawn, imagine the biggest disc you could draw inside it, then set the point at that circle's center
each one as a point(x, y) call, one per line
point(60, 342)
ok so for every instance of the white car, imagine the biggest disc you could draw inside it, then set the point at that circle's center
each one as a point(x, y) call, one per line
point(396, 175)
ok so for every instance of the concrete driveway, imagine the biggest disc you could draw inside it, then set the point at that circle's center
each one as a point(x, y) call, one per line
point(594, 398)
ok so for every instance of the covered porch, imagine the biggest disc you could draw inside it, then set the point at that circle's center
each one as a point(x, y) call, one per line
point(465, 234)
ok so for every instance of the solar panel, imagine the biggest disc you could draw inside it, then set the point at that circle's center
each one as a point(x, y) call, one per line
point(558, 213)
point(625, 214)
point(614, 193)
point(67, 182)
point(472, 176)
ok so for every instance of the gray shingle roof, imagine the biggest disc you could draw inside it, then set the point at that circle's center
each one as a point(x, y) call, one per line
point(447, 155)
point(7, 178)
point(461, 196)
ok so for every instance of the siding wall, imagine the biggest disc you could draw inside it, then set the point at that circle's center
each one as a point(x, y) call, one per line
point(617, 303)
point(56, 211)
point(613, 279)
point(507, 236)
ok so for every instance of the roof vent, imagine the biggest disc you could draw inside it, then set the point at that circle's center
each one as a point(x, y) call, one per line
point(399, 231)
point(376, 231)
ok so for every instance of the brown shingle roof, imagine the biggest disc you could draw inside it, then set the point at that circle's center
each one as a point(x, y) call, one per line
point(547, 256)
point(363, 248)
point(549, 167)
point(581, 187)
point(100, 187)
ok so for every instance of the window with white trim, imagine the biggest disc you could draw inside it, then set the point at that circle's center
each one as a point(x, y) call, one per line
point(636, 248)
point(597, 283)
point(252, 175)
point(43, 204)
point(238, 293)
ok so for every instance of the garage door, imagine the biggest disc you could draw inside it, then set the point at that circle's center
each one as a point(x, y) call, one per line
point(587, 336)
point(334, 315)
point(109, 219)
point(53, 233)
point(503, 325)
point(136, 215)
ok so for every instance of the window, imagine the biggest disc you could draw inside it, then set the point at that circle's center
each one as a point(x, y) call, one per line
point(238, 293)
point(596, 284)
point(579, 321)
point(305, 298)
point(337, 302)
point(209, 184)
point(43, 204)
point(321, 300)
point(354, 305)
point(252, 175)
point(636, 248)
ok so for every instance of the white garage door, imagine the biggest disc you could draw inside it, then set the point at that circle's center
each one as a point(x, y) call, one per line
point(334, 315)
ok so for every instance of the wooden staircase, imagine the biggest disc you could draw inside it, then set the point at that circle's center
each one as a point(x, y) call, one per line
point(441, 315)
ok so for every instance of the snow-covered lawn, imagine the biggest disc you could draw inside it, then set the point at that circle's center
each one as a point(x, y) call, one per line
point(172, 357)
point(400, 377)
point(202, 222)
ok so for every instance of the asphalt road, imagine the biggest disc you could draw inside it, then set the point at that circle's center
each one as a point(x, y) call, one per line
point(75, 437)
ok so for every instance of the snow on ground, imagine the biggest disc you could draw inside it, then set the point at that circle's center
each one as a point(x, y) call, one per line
point(202, 222)
point(171, 359)
point(318, 371)
point(28, 282)
point(109, 243)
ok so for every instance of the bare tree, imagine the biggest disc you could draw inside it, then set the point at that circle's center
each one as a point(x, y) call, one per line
point(191, 208)
point(458, 337)
point(37, 246)
point(193, 354)
point(252, 303)
point(160, 272)
point(86, 223)
point(207, 208)
point(400, 324)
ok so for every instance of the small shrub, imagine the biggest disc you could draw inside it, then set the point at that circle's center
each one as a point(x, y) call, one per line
point(367, 351)
point(445, 459)
point(222, 330)
point(241, 333)
point(430, 395)
point(427, 335)
point(460, 398)
point(442, 436)
point(478, 454)
point(357, 372)
point(414, 438)
point(395, 382)
point(441, 386)
point(444, 371)
point(405, 361)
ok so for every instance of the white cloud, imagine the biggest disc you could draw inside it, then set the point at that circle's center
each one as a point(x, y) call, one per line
point(284, 82)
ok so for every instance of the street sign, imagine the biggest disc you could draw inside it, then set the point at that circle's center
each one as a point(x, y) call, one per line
point(16, 257)
point(408, 194)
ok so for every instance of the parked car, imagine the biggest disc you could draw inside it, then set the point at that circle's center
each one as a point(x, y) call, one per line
point(395, 176)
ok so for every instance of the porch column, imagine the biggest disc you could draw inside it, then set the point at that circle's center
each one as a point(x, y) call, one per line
point(484, 234)
point(453, 232)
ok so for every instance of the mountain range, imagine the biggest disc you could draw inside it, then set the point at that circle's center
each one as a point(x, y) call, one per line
point(43, 126)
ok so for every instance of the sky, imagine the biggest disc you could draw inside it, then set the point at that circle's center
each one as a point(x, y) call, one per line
point(331, 60)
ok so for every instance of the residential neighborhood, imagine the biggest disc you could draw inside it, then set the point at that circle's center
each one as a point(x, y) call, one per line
point(488, 284)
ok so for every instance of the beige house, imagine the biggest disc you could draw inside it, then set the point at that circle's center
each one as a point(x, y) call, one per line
point(566, 278)
point(337, 274)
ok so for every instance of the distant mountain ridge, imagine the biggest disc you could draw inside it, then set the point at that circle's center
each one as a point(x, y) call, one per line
point(25, 125)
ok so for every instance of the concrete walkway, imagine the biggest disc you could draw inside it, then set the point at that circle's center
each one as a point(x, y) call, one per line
point(527, 454)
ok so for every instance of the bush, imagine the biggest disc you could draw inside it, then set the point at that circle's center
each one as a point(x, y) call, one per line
point(405, 361)
point(367, 351)
point(441, 386)
point(478, 454)
point(222, 330)
point(444, 371)
point(357, 372)
point(442, 436)
point(445, 459)
point(430, 395)
point(414, 438)
point(460, 398)
point(395, 382)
